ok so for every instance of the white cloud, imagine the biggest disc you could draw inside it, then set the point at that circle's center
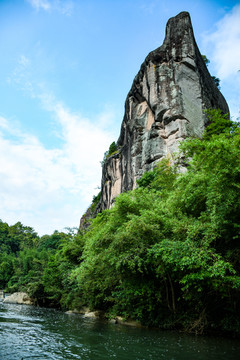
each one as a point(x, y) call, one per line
point(3, 123)
point(149, 7)
point(40, 4)
point(23, 61)
point(223, 45)
point(62, 6)
point(51, 188)
point(21, 74)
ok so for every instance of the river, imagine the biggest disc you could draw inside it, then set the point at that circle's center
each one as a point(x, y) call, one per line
point(28, 332)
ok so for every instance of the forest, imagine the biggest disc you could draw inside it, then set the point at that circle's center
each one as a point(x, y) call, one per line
point(167, 254)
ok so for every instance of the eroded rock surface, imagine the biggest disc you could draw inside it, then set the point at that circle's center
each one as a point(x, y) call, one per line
point(164, 106)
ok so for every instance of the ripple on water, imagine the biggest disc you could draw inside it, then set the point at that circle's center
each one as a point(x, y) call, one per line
point(33, 333)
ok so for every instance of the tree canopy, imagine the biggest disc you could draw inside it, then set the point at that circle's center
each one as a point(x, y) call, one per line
point(167, 254)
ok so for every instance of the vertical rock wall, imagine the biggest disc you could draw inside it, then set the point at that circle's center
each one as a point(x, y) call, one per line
point(164, 106)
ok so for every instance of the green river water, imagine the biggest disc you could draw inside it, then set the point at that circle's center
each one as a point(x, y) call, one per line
point(28, 332)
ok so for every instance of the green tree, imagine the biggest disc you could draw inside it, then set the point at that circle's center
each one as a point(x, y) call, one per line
point(219, 123)
point(167, 253)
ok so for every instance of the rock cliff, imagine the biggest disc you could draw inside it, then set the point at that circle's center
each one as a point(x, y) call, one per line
point(164, 106)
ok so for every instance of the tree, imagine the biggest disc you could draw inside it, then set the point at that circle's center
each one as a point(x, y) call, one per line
point(218, 123)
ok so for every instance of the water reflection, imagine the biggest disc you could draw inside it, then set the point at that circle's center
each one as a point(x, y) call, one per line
point(27, 332)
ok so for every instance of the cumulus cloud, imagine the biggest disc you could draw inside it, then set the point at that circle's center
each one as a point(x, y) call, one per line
point(224, 44)
point(50, 188)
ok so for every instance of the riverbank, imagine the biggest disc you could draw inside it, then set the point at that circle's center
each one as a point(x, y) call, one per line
point(101, 315)
point(54, 334)
point(22, 298)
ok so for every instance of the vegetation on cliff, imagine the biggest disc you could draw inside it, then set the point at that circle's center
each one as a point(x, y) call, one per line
point(167, 254)
point(113, 149)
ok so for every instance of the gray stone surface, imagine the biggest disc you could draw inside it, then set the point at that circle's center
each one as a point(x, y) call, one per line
point(164, 106)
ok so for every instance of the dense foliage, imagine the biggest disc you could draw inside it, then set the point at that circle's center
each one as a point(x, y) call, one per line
point(29, 262)
point(167, 254)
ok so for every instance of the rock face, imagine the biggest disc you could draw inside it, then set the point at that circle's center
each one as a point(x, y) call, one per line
point(164, 106)
point(19, 298)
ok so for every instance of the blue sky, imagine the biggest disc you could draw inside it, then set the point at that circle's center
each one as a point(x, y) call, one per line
point(65, 70)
